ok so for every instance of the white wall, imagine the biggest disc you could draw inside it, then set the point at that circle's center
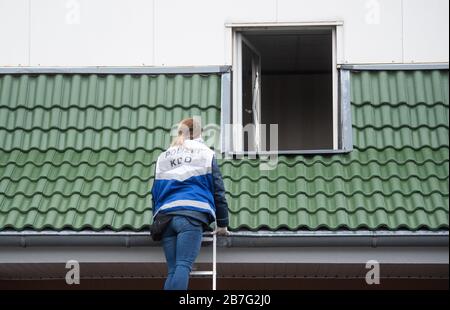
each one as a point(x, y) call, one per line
point(193, 32)
point(425, 30)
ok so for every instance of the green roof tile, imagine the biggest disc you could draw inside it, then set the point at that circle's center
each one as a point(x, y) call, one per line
point(77, 152)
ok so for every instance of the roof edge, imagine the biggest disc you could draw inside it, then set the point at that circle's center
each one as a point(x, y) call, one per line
point(393, 66)
point(236, 239)
point(116, 70)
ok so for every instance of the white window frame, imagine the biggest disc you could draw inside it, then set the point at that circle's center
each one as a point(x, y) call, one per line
point(237, 145)
point(335, 89)
point(237, 112)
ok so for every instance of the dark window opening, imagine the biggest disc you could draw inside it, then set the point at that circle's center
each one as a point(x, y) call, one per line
point(296, 86)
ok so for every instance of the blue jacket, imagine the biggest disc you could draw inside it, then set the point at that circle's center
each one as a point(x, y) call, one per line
point(188, 182)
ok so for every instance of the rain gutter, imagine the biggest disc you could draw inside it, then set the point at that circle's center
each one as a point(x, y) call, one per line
point(236, 239)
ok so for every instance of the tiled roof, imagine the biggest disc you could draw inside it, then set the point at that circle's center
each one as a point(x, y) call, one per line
point(78, 151)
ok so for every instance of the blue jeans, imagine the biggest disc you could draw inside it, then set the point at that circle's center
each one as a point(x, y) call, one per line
point(181, 241)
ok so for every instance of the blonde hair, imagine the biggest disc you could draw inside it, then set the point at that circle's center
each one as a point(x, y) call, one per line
point(188, 129)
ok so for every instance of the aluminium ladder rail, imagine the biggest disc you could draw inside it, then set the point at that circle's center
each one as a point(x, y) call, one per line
point(213, 272)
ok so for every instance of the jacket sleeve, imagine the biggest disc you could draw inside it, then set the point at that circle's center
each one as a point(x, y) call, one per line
point(153, 190)
point(220, 200)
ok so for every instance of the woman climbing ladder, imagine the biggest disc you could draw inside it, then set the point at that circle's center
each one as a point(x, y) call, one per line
point(188, 195)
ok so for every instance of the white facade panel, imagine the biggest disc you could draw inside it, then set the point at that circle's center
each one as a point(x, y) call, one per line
point(250, 11)
point(14, 32)
point(87, 32)
point(426, 26)
point(193, 32)
point(189, 32)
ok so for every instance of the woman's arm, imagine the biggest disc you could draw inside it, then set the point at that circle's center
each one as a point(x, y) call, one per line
point(220, 200)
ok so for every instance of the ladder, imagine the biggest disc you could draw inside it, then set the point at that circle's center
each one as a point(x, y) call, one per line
point(212, 273)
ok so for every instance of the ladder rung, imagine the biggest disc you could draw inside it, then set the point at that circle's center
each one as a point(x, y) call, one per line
point(212, 240)
point(202, 273)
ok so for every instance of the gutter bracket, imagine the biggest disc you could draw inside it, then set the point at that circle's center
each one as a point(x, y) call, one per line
point(23, 242)
point(374, 240)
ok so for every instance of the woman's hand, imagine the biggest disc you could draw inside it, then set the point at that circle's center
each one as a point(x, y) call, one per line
point(221, 231)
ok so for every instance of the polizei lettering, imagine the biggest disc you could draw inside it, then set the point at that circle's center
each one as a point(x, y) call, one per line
point(181, 151)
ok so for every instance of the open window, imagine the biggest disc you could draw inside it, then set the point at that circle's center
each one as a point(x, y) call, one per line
point(289, 78)
point(251, 93)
